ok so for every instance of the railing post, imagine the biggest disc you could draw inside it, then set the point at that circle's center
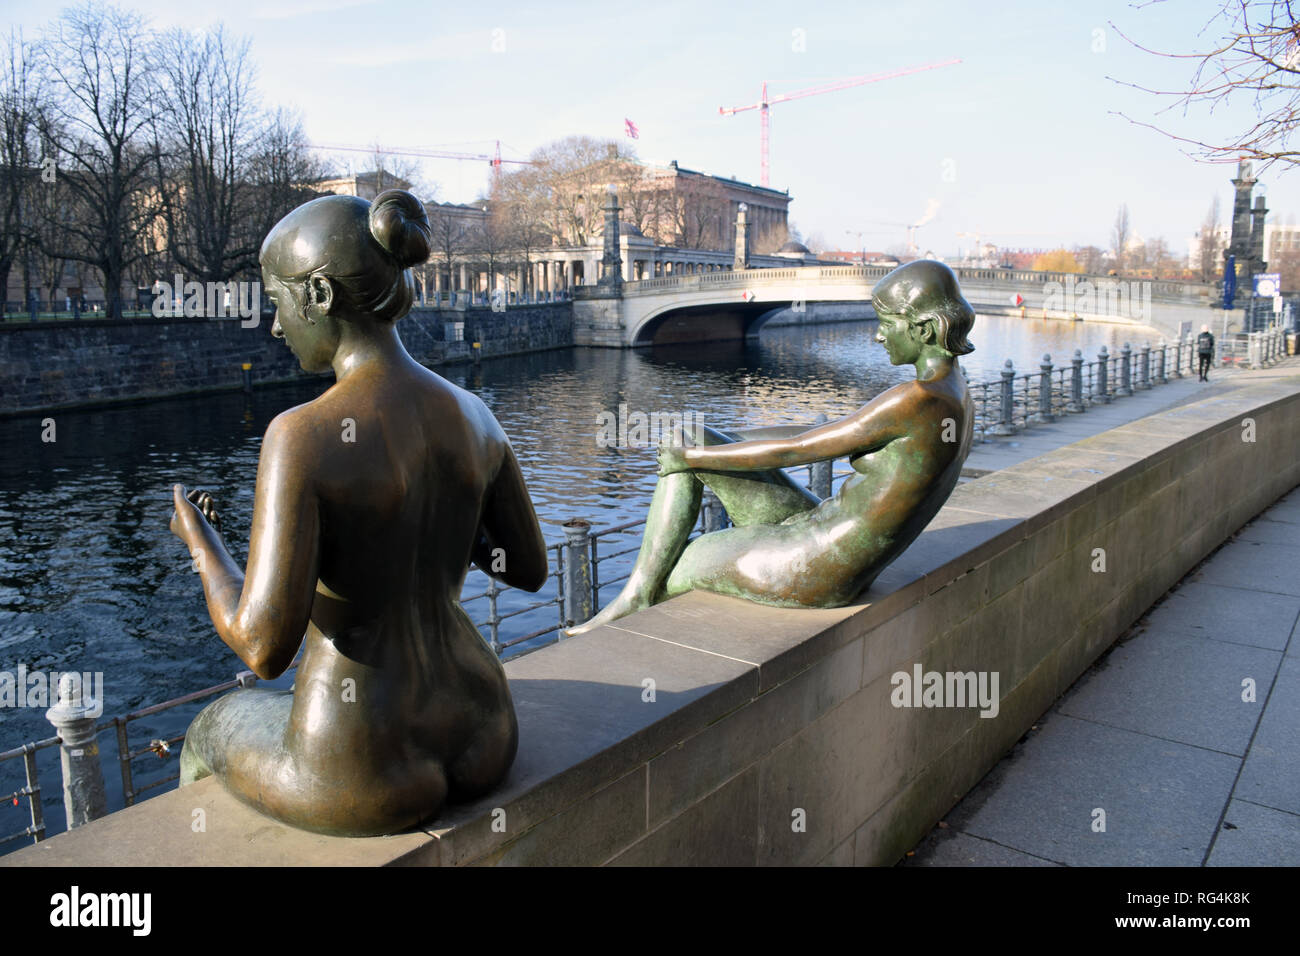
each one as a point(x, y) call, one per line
point(83, 778)
point(1161, 379)
point(819, 477)
point(1144, 367)
point(1076, 383)
point(1125, 371)
point(1178, 357)
point(1103, 369)
point(1045, 392)
point(576, 582)
point(715, 516)
point(1008, 398)
point(33, 789)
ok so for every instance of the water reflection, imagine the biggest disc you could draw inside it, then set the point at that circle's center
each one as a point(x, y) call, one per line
point(92, 580)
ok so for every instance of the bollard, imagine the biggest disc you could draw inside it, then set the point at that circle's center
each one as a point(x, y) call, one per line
point(247, 369)
point(576, 598)
point(1178, 357)
point(1125, 371)
point(715, 516)
point(83, 779)
point(1103, 369)
point(1076, 383)
point(1253, 350)
point(1004, 426)
point(1044, 414)
point(819, 477)
point(1144, 367)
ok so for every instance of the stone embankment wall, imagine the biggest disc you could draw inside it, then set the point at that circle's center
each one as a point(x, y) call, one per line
point(708, 730)
point(51, 365)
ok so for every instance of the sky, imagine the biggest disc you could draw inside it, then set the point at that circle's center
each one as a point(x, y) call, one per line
point(1030, 142)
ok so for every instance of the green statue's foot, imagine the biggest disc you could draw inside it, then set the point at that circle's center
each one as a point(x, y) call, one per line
point(621, 606)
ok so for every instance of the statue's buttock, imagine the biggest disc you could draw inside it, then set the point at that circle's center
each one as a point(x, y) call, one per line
point(368, 502)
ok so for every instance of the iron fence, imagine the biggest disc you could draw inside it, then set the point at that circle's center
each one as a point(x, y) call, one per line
point(1016, 401)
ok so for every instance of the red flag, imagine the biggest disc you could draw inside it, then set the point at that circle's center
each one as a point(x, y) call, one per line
point(630, 128)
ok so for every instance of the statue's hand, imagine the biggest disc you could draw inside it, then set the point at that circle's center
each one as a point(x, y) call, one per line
point(191, 510)
point(672, 459)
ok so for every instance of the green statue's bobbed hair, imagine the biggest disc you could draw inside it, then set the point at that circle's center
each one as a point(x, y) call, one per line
point(926, 290)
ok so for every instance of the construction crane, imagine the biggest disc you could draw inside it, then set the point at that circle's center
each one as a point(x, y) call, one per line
point(495, 159)
point(765, 103)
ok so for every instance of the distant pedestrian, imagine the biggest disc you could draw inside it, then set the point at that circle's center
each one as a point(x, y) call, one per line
point(1205, 349)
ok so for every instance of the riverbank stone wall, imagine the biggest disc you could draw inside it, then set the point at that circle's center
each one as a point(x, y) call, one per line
point(52, 365)
point(708, 730)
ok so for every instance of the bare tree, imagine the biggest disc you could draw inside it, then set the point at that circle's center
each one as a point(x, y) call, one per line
point(101, 117)
point(522, 200)
point(204, 148)
point(1210, 252)
point(20, 176)
point(491, 242)
point(1251, 61)
point(281, 172)
point(452, 238)
point(1090, 258)
point(699, 212)
point(1121, 233)
point(575, 171)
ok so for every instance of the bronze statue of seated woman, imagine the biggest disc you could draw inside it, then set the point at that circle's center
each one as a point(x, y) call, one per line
point(370, 503)
point(789, 548)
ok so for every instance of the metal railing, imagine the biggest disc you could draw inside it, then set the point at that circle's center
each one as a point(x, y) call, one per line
point(1016, 401)
point(1020, 400)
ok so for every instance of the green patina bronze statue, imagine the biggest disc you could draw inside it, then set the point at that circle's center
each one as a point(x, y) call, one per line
point(789, 548)
point(370, 503)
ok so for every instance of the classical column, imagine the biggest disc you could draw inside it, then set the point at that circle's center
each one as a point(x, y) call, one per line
point(741, 258)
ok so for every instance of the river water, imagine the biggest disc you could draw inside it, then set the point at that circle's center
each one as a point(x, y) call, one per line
point(92, 580)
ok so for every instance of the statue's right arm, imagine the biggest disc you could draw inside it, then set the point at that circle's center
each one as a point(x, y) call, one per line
point(510, 545)
point(263, 615)
point(766, 432)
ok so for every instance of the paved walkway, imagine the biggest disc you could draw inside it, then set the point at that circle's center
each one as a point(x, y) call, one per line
point(1163, 734)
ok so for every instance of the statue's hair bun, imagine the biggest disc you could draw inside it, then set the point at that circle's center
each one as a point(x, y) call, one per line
point(399, 224)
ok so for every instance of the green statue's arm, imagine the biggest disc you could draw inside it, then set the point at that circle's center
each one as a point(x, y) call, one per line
point(771, 431)
point(510, 546)
point(262, 616)
point(874, 425)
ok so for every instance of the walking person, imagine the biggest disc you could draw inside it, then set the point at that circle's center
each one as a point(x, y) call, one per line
point(1205, 349)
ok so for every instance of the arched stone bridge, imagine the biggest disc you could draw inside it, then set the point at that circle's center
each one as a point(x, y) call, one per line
point(729, 305)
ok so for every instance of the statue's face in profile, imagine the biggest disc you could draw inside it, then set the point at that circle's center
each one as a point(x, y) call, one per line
point(312, 340)
point(901, 339)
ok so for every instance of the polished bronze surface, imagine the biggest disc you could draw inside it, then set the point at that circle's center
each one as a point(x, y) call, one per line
point(371, 501)
point(788, 548)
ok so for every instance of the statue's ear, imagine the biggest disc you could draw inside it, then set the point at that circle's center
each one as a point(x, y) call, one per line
point(929, 331)
point(320, 294)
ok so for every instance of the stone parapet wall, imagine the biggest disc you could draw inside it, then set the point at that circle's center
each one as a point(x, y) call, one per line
point(50, 365)
point(708, 730)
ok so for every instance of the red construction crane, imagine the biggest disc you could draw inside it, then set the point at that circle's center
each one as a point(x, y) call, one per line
point(764, 103)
